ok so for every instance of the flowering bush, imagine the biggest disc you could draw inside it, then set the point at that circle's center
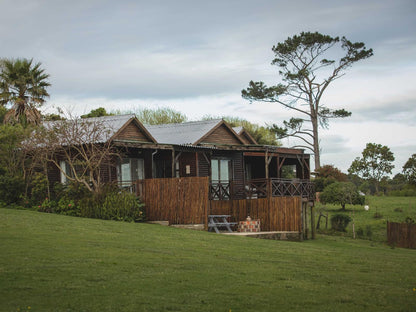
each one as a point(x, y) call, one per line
point(46, 206)
point(67, 207)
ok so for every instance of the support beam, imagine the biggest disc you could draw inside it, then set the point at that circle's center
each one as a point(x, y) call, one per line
point(313, 228)
point(266, 165)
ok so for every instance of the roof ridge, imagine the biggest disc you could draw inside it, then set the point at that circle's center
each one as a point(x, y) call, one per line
point(185, 123)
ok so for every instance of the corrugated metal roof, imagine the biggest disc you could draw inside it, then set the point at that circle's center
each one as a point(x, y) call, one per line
point(112, 125)
point(183, 133)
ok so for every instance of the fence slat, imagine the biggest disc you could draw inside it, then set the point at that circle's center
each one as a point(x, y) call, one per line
point(401, 234)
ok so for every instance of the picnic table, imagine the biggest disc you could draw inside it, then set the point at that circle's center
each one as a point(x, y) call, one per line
point(219, 221)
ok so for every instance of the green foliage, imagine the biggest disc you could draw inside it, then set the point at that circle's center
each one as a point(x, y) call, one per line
point(367, 233)
point(409, 220)
point(67, 207)
point(376, 162)
point(262, 135)
point(330, 171)
point(122, 206)
point(327, 175)
point(11, 155)
point(99, 112)
point(377, 215)
point(71, 191)
point(47, 205)
point(341, 193)
point(53, 117)
point(3, 112)
point(39, 188)
point(409, 169)
point(158, 116)
point(339, 222)
point(23, 85)
point(405, 191)
point(114, 205)
point(12, 189)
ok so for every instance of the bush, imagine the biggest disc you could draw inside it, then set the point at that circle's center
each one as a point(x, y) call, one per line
point(378, 215)
point(114, 205)
point(75, 200)
point(47, 205)
point(67, 207)
point(11, 189)
point(339, 222)
point(406, 192)
point(368, 232)
point(39, 187)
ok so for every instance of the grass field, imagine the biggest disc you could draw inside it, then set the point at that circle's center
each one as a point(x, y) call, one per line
point(387, 208)
point(58, 263)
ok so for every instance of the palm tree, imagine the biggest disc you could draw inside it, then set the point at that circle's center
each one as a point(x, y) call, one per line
point(23, 85)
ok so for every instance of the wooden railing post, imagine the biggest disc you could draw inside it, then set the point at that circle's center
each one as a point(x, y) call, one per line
point(313, 228)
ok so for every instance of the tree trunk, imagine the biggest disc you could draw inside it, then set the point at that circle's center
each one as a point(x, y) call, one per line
point(316, 150)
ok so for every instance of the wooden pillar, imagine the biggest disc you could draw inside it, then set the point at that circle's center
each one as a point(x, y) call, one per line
point(173, 163)
point(266, 164)
point(305, 219)
point(302, 230)
point(197, 164)
point(313, 228)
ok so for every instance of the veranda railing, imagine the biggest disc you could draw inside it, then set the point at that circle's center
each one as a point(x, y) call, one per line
point(261, 188)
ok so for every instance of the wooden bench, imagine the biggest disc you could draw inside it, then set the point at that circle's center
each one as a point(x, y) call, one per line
point(219, 221)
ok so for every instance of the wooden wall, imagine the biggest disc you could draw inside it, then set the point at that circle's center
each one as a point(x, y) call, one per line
point(188, 159)
point(132, 132)
point(222, 135)
point(177, 200)
point(275, 213)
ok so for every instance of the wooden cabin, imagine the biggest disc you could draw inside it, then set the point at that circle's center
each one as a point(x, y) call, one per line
point(235, 166)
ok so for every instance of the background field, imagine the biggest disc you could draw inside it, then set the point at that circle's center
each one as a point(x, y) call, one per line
point(58, 263)
point(387, 208)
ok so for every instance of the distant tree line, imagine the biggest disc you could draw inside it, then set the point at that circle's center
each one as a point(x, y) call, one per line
point(370, 174)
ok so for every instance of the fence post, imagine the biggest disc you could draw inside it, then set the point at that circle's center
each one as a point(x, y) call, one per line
point(313, 228)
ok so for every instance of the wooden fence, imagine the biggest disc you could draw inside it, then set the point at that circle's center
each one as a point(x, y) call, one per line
point(186, 201)
point(177, 200)
point(401, 234)
point(275, 213)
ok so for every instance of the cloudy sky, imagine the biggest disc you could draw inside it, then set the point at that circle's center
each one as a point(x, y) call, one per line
point(196, 56)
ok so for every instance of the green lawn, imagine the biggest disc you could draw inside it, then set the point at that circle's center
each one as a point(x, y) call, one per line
point(58, 263)
point(388, 208)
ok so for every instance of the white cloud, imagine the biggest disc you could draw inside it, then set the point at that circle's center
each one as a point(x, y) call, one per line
point(196, 56)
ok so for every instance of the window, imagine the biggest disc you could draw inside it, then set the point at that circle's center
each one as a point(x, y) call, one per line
point(130, 169)
point(221, 170)
point(65, 171)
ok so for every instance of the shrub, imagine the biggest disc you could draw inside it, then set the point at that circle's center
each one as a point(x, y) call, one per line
point(360, 232)
point(369, 231)
point(122, 206)
point(378, 215)
point(114, 205)
point(67, 207)
point(11, 189)
point(406, 192)
point(339, 222)
point(39, 185)
point(409, 220)
point(47, 206)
